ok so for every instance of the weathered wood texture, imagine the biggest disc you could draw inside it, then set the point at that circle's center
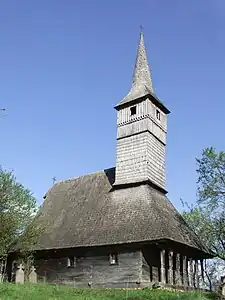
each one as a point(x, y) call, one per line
point(93, 270)
point(170, 267)
point(165, 266)
point(184, 271)
point(150, 264)
point(140, 266)
point(141, 140)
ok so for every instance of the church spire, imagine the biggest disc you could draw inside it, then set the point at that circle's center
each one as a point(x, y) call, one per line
point(142, 82)
point(141, 130)
point(142, 74)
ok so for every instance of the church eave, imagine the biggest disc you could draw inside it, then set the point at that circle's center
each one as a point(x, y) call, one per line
point(152, 97)
point(138, 183)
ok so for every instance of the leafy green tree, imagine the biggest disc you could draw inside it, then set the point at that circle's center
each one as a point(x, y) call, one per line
point(199, 220)
point(207, 216)
point(211, 180)
point(17, 209)
point(211, 197)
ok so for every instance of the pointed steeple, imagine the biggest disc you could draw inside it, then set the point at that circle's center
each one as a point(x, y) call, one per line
point(142, 74)
point(142, 82)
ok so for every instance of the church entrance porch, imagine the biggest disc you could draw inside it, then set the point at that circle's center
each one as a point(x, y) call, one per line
point(172, 264)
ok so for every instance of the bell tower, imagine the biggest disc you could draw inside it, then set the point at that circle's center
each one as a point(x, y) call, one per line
point(141, 130)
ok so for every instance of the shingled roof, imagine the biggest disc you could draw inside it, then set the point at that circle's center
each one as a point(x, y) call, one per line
point(87, 211)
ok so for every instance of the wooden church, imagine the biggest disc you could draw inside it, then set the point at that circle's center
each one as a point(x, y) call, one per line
point(116, 227)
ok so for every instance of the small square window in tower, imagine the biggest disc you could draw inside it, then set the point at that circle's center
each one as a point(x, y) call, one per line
point(158, 115)
point(133, 110)
point(113, 259)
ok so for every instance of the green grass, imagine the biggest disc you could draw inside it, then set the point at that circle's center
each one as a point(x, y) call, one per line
point(53, 292)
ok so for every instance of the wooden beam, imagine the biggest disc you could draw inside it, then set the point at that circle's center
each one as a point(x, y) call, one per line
point(170, 271)
point(197, 274)
point(177, 270)
point(191, 283)
point(202, 274)
point(162, 266)
point(185, 271)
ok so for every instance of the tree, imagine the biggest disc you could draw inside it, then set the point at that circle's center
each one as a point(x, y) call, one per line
point(17, 210)
point(207, 217)
point(211, 195)
point(200, 222)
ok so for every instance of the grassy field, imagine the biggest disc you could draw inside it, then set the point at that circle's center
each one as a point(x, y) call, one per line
point(50, 292)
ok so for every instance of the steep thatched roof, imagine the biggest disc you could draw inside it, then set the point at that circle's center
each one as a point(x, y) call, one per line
point(86, 211)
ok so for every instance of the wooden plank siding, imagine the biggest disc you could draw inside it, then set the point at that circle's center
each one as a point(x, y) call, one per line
point(93, 270)
point(136, 266)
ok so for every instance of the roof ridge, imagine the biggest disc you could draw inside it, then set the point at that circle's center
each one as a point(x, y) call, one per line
point(75, 178)
point(84, 175)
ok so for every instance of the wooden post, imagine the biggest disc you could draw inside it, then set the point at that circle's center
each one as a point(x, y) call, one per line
point(196, 274)
point(33, 275)
point(20, 275)
point(44, 277)
point(185, 271)
point(155, 274)
point(223, 286)
point(170, 271)
point(191, 272)
point(3, 264)
point(177, 270)
point(1, 271)
point(162, 266)
point(202, 274)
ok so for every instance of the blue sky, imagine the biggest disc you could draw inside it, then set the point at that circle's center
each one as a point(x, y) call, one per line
point(64, 64)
